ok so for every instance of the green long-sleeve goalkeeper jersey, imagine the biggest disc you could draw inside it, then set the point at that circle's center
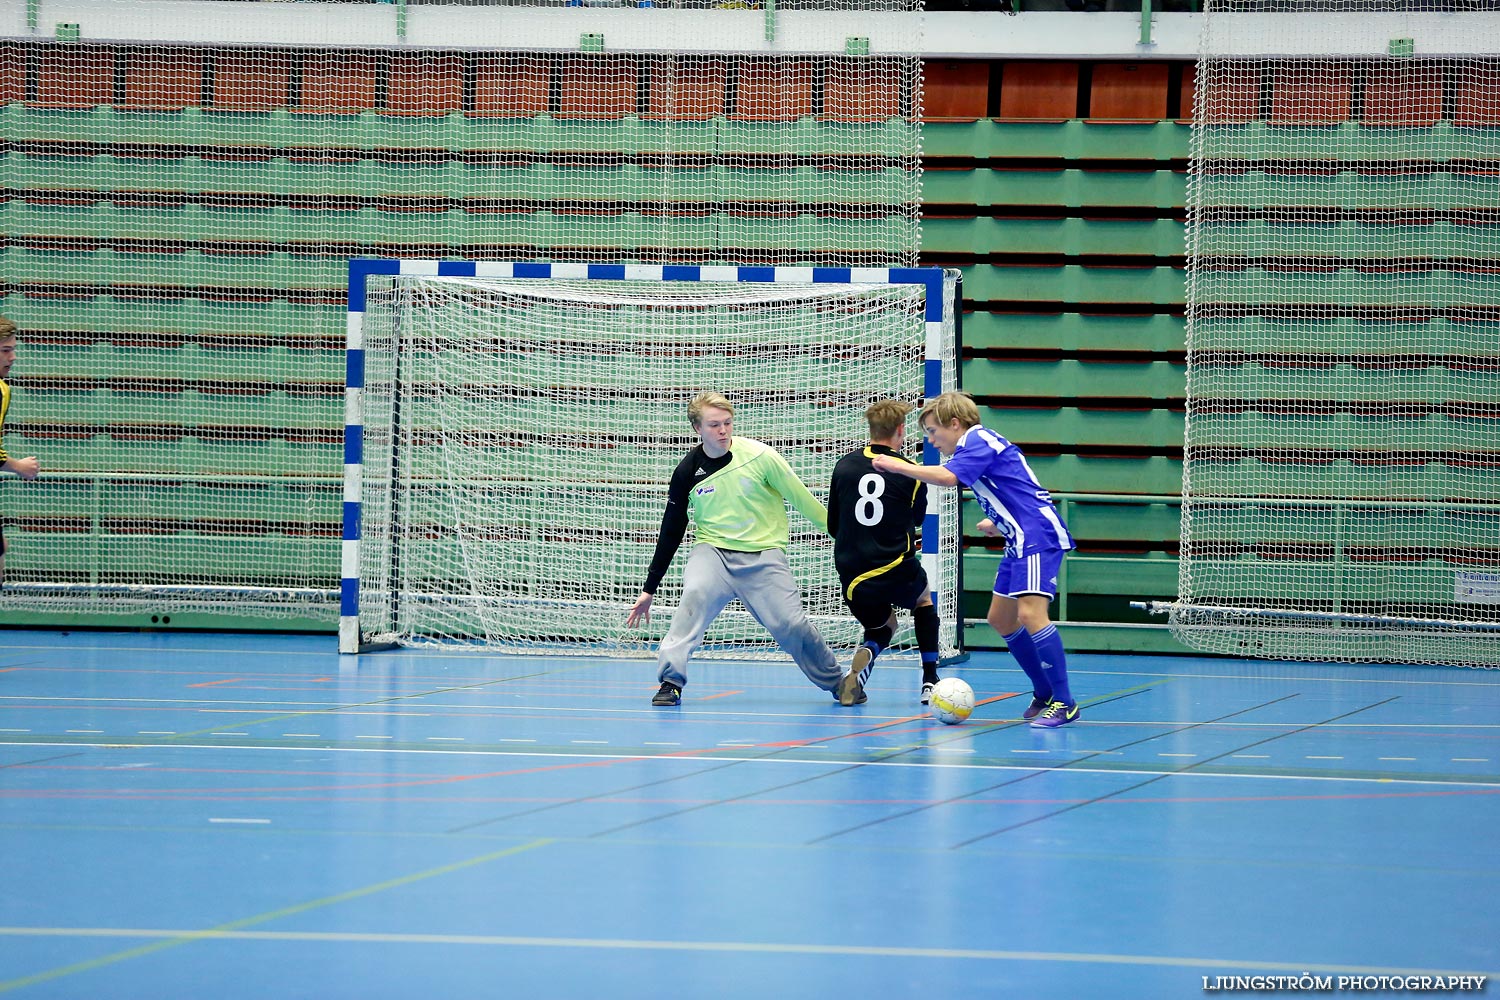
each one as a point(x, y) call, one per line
point(737, 502)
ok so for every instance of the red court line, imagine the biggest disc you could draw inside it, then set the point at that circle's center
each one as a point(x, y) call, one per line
point(209, 684)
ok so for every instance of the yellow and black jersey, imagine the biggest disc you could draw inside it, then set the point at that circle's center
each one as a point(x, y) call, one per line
point(873, 516)
point(4, 407)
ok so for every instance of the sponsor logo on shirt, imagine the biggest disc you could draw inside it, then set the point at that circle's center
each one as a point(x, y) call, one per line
point(704, 491)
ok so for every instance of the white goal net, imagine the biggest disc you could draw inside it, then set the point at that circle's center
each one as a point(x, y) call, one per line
point(519, 433)
point(1342, 474)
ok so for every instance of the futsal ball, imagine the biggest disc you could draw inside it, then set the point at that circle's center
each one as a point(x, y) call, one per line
point(952, 701)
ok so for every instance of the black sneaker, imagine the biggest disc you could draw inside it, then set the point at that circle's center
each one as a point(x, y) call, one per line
point(670, 694)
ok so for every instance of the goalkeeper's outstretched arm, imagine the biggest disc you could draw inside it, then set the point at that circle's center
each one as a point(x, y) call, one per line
point(674, 522)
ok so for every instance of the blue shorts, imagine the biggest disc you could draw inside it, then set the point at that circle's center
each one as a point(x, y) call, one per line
point(1019, 576)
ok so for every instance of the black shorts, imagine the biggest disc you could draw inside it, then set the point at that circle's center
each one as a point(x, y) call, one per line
point(873, 599)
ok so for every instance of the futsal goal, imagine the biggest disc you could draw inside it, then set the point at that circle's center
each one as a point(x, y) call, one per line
point(511, 429)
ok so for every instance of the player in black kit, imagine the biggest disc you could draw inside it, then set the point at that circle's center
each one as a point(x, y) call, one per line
point(873, 517)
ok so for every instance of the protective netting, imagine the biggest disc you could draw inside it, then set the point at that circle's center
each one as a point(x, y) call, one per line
point(519, 437)
point(177, 205)
point(1342, 474)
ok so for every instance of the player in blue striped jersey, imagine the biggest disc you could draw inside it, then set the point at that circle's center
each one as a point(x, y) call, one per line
point(1018, 509)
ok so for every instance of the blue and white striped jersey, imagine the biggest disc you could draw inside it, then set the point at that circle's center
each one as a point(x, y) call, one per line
point(1009, 493)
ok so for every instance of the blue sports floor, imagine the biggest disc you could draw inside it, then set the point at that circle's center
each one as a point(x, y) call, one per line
point(254, 817)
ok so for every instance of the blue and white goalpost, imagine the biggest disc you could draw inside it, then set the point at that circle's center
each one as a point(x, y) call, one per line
point(511, 427)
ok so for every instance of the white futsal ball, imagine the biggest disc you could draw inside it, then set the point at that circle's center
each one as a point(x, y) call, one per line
point(952, 701)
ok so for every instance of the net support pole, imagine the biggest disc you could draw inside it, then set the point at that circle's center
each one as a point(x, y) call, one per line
point(354, 448)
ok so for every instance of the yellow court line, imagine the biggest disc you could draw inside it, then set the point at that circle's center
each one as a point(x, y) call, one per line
point(752, 947)
point(171, 939)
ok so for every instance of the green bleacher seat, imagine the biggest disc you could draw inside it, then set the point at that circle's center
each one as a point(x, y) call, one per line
point(1074, 331)
point(1072, 140)
point(33, 218)
point(82, 451)
point(622, 135)
point(539, 134)
point(47, 497)
point(685, 138)
point(614, 229)
point(30, 124)
point(385, 131)
point(988, 235)
point(36, 172)
point(67, 266)
point(1071, 378)
point(1074, 426)
point(1089, 474)
point(1347, 286)
point(1338, 477)
point(1056, 187)
point(1095, 520)
point(892, 137)
point(508, 228)
point(315, 130)
point(795, 138)
point(1071, 283)
point(417, 177)
point(584, 181)
point(1087, 574)
point(183, 127)
point(262, 129)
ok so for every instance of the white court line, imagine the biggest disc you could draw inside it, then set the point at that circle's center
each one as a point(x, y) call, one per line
point(374, 737)
point(447, 739)
point(1395, 758)
point(310, 736)
point(232, 819)
point(15, 730)
point(787, 760)
point(1312, 756)
point(750, 947)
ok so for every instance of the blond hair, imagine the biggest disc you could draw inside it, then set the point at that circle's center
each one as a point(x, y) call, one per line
point(7, 328)
point(708, 401)
point(886, 417)
point(951, 406)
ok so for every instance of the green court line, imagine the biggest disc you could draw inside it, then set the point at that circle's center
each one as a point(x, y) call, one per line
point(1216, 965)
point(172, 939)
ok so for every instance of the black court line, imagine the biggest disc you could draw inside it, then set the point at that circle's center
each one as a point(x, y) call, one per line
point(847, 767)
point(1169, 774)
point(1044, 770)
point(689, 755)
point(595, 797)
point(44, 760)
point(850, 766)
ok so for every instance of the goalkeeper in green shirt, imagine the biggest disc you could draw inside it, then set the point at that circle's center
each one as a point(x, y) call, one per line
point(736, 490)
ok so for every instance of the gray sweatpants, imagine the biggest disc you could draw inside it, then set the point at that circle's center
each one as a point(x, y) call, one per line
point(763, 581)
